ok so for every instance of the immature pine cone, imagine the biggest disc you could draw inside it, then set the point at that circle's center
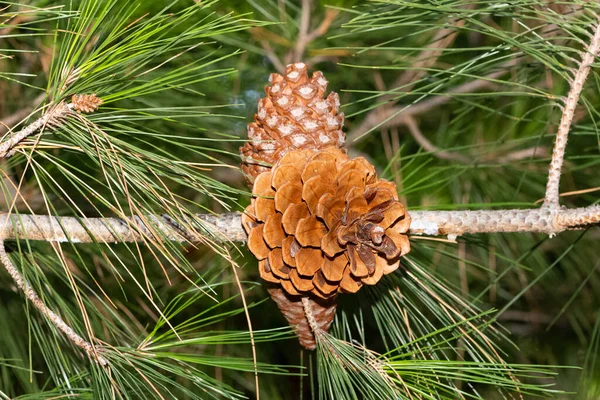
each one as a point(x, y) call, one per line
point(86, 103)
point(294, 115)
point(321, 223)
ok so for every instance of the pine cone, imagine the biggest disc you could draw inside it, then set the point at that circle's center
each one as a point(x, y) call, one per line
point(321, 224)
point(86, 103)
point(293, 115)
point(293, 310)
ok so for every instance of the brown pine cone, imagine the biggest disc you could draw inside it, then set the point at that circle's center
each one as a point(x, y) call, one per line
point(86, 103)
point(293, 310)
point(293, 115)
point(321, 223)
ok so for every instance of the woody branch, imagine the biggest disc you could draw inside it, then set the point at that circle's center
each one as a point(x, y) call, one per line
point(228, 226)
point(560, 144)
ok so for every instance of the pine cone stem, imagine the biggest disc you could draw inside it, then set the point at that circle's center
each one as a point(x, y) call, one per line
point(312, 322)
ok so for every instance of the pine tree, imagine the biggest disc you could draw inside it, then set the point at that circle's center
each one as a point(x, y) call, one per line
point(126, 272)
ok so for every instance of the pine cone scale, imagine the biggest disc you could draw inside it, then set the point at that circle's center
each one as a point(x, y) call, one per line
point(309, 231)
point(289, 193)
point(309, 261)
point(273, 233)
point(333, 267)
point(256, 244)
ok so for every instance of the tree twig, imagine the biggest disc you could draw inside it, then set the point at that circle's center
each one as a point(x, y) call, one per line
point(302, 40)
point(92, 351)
point(560, 144)
point(442, 39)
point(395, 116)
point(7, 146)
point(330, 15)
point(310, 317)
point(416, 133)
point(273, 57)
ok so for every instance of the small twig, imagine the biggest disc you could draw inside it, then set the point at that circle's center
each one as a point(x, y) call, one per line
point(25, 287)
point(573, 193)
point(395, 116)
point(415, 132)
point(442, 39)
point(312, 322)
point(330, 15)
point(302, 40)
point(50, 117)
point(552, 187)
point(530, 152)
point(273, 57)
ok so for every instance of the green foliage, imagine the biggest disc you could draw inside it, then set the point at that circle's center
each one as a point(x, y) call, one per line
point(492, 316)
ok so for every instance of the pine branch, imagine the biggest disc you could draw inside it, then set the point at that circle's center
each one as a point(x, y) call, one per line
point(49, 118)
point(549, 219)
point(228, 227)
point(30, 293)
point(85, 103)
point(558, 154)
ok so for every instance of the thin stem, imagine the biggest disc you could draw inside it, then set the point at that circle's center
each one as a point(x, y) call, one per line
point(416, 133)
point(442, 39)
point(254, 357)
point(558, 154)
point(312, 321)
point(273, 57)
point(50, 117)
point(303, 34)
point(324, 26)
point(30, 293)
